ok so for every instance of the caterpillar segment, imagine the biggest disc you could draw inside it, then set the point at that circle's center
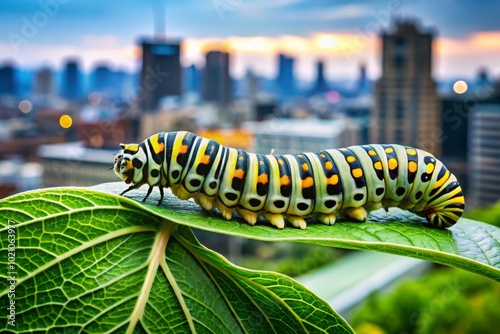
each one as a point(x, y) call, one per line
point(330, 184)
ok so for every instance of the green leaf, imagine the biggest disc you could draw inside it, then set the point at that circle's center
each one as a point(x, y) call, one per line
point(87, 261)
point(470, 245)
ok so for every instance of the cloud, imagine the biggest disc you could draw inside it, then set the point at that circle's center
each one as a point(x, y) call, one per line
point(327, 14)
point(100, 40)
point(464, 56)
point(54, 55)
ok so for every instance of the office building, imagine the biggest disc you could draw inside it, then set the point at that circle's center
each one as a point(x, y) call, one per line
point(320, 85)
point(161, 73)
point(43, 82)
point(484, 155)
point(217, 84)
point(406, 109)
point(71, 86)
point(8, 85)
point(286, 77)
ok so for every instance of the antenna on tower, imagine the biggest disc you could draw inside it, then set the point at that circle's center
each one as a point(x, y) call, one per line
point(159, 19)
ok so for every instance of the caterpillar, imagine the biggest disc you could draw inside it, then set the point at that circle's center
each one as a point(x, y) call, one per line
point(348, 182)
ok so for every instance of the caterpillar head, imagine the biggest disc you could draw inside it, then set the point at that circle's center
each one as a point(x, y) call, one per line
point(129, 163)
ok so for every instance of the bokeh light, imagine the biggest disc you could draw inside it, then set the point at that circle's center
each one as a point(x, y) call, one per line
point(333, 96)
point(95, 99)
point(25, 106)
point(65, 121)
point(460, 87)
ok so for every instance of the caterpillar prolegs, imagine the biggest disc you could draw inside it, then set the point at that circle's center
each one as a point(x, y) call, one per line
point(347, 182)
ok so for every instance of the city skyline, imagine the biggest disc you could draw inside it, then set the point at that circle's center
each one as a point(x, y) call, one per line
point(343, 35)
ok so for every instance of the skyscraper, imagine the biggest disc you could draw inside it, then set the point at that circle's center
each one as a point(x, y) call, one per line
point(217, 85)
point(71, 80)
point(8, 84)
point(484, 160)
point(286, 78)
point(43, 81)
point(161, 73)
point(193, 79)
point(407, 109)
point(320, 85)
point(362, 80)
point(102, 79)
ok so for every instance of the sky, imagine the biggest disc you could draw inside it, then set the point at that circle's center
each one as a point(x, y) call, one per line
point(35, 33)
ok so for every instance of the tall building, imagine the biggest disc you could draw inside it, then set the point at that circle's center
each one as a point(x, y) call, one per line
point(286, 77)
point(217, 84)
point(406, 109)
point(320, 85)
point(484, 155)
point(193, 80)
point(102, 78)
point(161, 73)
point(43, 82)
point(362, 80)
point(8, 84)
point(252, 85)
point(71, 80)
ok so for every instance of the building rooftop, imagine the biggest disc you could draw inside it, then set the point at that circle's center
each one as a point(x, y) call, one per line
point(75, 151)
point(298, 127)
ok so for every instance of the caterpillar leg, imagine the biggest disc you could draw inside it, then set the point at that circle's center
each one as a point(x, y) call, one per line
point(205, 201)
point(249, 216)
point(161, 195)
point(357, 213)
point(132, 187)
point(147, 194)
point(181, 192)
point(276, 219)
point(297, 221)
point(226, 212)
point(327, 219)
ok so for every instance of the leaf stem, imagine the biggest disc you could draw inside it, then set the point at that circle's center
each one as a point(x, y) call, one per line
point(157, 254)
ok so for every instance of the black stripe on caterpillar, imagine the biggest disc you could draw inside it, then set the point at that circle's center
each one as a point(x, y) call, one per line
point(347, 182)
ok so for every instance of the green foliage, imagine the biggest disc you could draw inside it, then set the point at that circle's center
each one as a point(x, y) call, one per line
point(292, 259)
point(92, 261)
point(444, 301)
point(490, 214)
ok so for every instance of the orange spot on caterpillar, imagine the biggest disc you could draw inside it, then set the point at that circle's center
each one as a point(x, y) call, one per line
point(412, 166)
point(284, 180)
point(263, 178)
point(307, 182)
point(350, 159)
point(305, 167)
point(393, 163)
point(239, 173)
point(328, 165)
point(357, 172)
point(183, 149)
point(205, 160)
point(333, 180)
point(378, 165)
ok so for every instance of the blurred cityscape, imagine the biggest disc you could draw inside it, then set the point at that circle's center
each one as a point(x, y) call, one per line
point(61, 127)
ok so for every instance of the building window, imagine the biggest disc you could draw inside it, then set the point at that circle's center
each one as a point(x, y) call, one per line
point(399, 109)
point(399, 53)
point(398, 136)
